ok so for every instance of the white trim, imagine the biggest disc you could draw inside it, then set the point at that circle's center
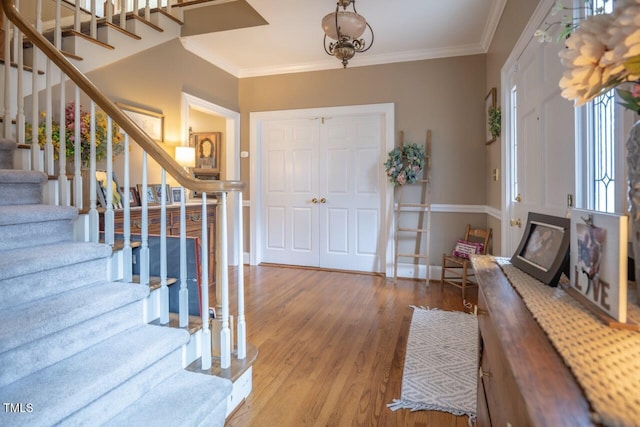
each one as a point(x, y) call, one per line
point(232, 157)
point(256, 120)
point(497, 7)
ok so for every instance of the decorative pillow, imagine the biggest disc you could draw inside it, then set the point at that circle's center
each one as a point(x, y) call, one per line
point(464, 248)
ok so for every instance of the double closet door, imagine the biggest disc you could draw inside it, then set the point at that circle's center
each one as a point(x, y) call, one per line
point(321, 203)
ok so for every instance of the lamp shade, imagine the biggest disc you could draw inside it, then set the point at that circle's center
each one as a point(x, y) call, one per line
point(351, 25)
point(186, 156)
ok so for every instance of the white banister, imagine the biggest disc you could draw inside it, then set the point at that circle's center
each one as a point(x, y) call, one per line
point(204, 280)
point(147, 11)
point(222, 280)
point(183, 294)
point(127, 252)
point(135, 8)
point(35, 147)
point(93, 27)
point(20, 117)
point(242, 326)
point(123, 18)
point(65, 195)
point(164, 290)
point(93, 208)
point(77, 150)
point(6, 118)
point(48, 146)
point(144, 232)
point(76, 17)
point(108, 12)
point(109, 188)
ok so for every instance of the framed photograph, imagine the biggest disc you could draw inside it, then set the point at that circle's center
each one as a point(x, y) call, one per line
point(150, 122)
point(116, 195)
point(489, 102)
point(599, 261)
point(134, 197)
point(544, 249)
point(176, 194)
point(208, 147)
point(152, 199)
point(158, 190)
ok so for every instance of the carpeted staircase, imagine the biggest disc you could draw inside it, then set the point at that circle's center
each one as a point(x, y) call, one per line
point(73, 347)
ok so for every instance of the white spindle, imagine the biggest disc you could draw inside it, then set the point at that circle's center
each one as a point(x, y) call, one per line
point(93, 209)
point(164, 290)
point(242, 325)
point(76, 17)
point(19, 51)
point(127, 252)
point(183, 294)
point(77, 151)
point(204, 280)
point(110, 186)
point(147, 11)
point(57, 32)
point(48, 146)
point(108, 5)
point(222, 280)
point(65, 196)
point(123, 17)
point(144, 232)
point(136, 9)
point(36, 164)
point(93, 29)
point(6, 118)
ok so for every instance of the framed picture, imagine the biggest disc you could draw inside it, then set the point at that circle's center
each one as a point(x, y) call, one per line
point(158, 190)
point(116, 195)
point(150, 122)
point(599, 261)
point(176, 194)
point(134, 197)
point(544, 249)
point(152, 199)
point(489, 102)
point(208, 146)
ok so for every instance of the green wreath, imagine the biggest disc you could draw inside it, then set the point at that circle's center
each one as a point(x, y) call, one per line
point(405, 164)
point(495, 116)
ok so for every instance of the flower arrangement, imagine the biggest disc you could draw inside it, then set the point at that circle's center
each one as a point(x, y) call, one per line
point(85, 135)
point(603, 52)
point(495, 116)
point(404, 164)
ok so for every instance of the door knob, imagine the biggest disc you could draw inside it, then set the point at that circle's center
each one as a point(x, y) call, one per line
point(314, 200)
point(518, 198)
point(323, 200)
point(516, 222)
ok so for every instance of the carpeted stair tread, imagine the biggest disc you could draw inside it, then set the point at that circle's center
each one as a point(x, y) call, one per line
point(75, 382)
point(26, 214)
point(192, 395)
point(22, 324)
point(15, 176)
point(30, 260)
point(36, 355)
point(44, 284)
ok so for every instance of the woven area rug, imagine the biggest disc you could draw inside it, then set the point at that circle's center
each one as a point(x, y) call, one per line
point(440, 367)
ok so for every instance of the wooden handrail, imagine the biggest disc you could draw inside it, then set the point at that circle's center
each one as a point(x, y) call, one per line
point(133, 130)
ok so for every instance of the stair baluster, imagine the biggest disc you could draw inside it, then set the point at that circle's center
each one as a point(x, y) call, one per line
point(183, 294)
point(242, 326)
point(94, 226)
point(144, 232)
point(222, 280)
point(93, 27)
point(204, 280)
point(127, 252)
point(36, 165)
point(164, 291)
point(6, 119)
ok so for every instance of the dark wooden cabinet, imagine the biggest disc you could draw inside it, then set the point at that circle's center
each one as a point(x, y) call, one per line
point(193, 225)
point(522, 379)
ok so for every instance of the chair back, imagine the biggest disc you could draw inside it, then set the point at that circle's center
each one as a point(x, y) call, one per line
point(478, 234)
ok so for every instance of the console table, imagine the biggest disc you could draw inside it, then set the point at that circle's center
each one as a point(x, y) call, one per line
point(523, 381)
point(193, 226)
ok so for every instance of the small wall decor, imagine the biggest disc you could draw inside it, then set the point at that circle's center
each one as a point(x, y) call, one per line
point(495, 117)
point(599, 262)
point(208, 147)
point(150, 122)
point(489, 105)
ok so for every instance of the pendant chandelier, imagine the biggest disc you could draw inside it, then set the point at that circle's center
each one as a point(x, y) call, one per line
point(345, 28)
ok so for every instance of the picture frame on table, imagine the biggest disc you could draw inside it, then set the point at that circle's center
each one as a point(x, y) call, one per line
point(489, 103)
point(543, 251)
point(208, 147)
point(134, 197)
point(117, 199)
point(152, 198)
point(149, 121)
point(158, 190)
point(598, 263)
point(176, 194)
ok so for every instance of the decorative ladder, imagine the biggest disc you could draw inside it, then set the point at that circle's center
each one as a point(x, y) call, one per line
point(421, 208)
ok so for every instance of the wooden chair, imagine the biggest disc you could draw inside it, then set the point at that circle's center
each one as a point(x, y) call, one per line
point(457, 270)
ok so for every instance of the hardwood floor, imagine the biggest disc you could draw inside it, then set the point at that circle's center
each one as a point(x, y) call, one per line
point(331, 347)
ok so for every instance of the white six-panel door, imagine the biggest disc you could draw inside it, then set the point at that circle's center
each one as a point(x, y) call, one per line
point(321, 192)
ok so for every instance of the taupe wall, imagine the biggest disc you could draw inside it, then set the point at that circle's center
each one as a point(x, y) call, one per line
point(513, 21)
point(444, 95)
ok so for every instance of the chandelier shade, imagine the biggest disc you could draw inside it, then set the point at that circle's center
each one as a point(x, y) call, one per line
point(346, 28)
